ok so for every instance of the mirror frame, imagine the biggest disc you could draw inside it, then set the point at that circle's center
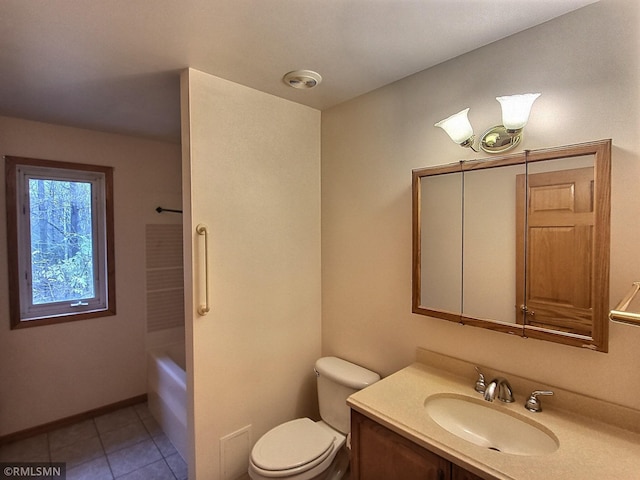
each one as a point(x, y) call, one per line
point(601, 150)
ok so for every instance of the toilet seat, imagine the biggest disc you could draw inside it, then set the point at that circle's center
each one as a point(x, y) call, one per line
point(292, 448)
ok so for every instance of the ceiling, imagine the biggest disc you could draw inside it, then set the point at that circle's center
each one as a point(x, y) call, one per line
point(114, 65)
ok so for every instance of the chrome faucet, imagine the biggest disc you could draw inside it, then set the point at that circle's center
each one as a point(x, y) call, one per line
point(502, 388)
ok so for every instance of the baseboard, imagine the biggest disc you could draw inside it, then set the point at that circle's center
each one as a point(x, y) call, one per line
point(63, 422)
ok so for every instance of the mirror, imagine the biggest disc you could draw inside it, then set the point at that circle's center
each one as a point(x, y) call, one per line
point(489, 255)
point(441, 262)
point(517, 243)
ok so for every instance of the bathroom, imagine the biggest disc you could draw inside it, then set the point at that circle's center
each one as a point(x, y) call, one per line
point(325, 228)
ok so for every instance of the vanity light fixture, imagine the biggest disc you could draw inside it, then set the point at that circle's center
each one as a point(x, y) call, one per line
point(497, 139)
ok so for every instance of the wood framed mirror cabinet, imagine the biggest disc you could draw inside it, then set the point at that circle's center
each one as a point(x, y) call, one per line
point(517, 243)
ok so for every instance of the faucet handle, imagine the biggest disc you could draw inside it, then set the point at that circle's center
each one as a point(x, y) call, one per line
point(533, 404)
point(480, 384)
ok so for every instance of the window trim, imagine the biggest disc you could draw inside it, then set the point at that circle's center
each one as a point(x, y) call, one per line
point(13, 204)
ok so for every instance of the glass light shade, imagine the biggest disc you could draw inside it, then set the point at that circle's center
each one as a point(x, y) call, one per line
point(516, 109)
point(457, 126)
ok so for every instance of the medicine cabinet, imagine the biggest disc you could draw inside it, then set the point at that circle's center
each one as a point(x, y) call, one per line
point(517, 243)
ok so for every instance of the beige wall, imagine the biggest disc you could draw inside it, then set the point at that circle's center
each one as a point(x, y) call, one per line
point(56, 371)
point(586, 64)
point(251, 172)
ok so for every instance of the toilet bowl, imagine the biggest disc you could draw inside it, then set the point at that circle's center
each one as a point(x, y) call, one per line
point(297, 450)
point(302, 449)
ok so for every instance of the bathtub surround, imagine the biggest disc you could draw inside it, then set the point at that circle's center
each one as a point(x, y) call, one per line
point(167, 393)
point(57, 371)
point(164, 277)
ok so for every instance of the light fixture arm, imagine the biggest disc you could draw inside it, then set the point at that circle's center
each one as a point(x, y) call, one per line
point(469, 143)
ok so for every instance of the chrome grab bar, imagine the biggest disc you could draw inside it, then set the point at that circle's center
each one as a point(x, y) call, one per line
point(201, 229)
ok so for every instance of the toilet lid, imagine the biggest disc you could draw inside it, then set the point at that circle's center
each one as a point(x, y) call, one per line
point(292, 445)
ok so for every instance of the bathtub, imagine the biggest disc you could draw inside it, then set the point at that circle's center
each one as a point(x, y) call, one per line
point(167, 393)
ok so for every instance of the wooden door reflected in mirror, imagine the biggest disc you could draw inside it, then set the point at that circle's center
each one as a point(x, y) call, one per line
point(557, 226)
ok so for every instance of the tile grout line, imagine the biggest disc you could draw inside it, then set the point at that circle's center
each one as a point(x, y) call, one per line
point(164, 458)
point(104, 450)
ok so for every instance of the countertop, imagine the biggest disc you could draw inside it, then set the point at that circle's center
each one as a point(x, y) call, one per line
point(588, 446)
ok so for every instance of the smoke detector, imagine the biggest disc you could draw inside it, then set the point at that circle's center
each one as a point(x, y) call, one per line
point(302, 79)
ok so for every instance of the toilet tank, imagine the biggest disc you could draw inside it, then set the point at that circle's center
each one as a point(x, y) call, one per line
point(337, 380)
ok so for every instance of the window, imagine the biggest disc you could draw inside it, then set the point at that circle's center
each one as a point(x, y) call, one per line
point(60, 240)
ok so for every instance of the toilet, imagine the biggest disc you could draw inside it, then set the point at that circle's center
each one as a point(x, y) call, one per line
point(302, 449)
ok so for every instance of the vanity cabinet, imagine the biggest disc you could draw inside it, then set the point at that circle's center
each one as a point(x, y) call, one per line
point(459, 473)
point(378, 453)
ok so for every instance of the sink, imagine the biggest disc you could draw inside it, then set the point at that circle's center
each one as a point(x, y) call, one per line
point(489, 425)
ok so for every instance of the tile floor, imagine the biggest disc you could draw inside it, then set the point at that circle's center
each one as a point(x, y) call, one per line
point(126, 444)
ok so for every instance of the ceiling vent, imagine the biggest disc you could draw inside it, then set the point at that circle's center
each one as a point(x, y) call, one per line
point(302, 79)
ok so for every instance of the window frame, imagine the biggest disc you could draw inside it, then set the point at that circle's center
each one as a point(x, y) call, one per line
point(22, 312)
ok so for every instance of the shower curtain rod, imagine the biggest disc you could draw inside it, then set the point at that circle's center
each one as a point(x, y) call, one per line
point(160, 210)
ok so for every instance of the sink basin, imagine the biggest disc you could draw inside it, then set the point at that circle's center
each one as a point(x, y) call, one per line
point(490, 426)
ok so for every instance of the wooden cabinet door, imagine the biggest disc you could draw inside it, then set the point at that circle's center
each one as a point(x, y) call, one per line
point(459, 473)
point(380, 454)
point(559, 232)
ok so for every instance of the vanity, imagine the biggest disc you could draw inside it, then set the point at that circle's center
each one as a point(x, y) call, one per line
point(518, 244)
point(409, 426)
point(383, 454)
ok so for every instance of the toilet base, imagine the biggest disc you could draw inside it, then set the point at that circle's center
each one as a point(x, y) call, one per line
point(339, 469)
